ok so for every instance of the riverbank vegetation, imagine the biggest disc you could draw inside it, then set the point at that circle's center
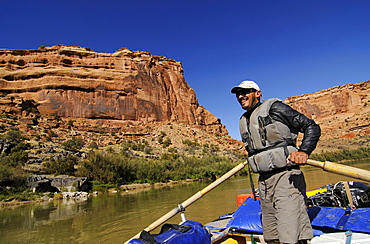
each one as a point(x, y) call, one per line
point(342, 155)
point(118, 168)
point(130, 162)
point(127, 163)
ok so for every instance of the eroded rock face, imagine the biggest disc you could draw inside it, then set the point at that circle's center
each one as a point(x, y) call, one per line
point(125, 85)
point(343, 112)
point(348, 99)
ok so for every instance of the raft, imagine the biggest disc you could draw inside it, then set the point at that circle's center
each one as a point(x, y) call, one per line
point(345, 220)
point(339, 213)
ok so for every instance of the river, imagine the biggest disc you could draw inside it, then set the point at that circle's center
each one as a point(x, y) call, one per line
point(114, 218)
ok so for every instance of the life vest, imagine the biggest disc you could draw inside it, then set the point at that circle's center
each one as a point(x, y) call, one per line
point(268, 142)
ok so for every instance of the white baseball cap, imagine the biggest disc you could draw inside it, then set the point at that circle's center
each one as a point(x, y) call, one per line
point(247, 84)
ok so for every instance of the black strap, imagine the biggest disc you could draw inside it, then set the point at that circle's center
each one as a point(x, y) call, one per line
point(251, 182)
point(266, 175)
point(149, 238)
point(283, 144)
point(181, 228)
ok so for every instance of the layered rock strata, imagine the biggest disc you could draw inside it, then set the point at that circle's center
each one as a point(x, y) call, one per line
point(343, 113)
point(347, 100)
point(75, 82)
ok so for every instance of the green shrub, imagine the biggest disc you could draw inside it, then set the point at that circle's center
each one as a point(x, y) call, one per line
point(107, 168)
point(172, 150)
point(118, 168)
point(61, 166)
point(11, 176)
point(167, 142)
point(15, 159)
point(5, 174)
point(169, 156)
point(13, 136)
point(19, 193)
point(74, 144)
point(70, 123)
point(190, 143)
point(16, 156)
point(93, 145)
point(51, 133)
point(97, 186)
point(147, 149)
point(340, 155)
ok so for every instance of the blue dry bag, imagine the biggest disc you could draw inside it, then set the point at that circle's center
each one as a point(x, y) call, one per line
point(186, 233)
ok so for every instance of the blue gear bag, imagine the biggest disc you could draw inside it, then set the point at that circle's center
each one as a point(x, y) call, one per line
point(186, 233)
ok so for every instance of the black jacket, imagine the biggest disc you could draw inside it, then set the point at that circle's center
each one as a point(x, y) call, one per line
point(297, 122)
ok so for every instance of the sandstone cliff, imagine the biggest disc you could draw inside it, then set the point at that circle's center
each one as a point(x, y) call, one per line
point(127, 87)
point(343, 113)
point(144, 96)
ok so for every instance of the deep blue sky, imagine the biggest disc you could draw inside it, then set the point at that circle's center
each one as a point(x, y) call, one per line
point(289, 47)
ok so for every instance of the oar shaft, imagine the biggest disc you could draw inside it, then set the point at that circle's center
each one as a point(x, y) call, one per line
point(341, 169)
point(223, 178)
point(193, 198)
point(173, 212)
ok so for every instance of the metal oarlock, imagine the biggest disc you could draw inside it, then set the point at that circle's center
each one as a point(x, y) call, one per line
point(182, 213)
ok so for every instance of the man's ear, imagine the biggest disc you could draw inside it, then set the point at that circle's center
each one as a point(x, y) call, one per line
point(258, 94)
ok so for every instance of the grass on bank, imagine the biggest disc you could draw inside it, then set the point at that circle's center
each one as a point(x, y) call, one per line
point(115, 168)
point(17, 194)
point(342, 155)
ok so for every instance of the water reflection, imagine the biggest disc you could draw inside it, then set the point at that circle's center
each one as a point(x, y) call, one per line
point(114, 218)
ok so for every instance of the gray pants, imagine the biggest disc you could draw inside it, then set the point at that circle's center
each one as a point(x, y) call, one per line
point(284, 212)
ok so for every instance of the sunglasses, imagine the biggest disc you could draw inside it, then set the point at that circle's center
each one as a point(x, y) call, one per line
point(244, 92)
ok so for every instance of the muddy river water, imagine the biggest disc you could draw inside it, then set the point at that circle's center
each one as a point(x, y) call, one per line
point(114, 218)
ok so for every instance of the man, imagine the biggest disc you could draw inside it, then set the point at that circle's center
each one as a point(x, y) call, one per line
point(269, 131)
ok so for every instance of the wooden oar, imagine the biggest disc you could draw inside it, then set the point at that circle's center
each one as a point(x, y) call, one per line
point(341, 169)
point(193, 199)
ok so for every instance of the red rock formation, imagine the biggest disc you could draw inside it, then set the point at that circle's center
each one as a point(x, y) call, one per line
point(125, 85)
point(345, 100)
point(343, 113)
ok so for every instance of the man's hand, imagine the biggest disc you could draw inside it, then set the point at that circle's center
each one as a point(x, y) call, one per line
point(298, 157)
